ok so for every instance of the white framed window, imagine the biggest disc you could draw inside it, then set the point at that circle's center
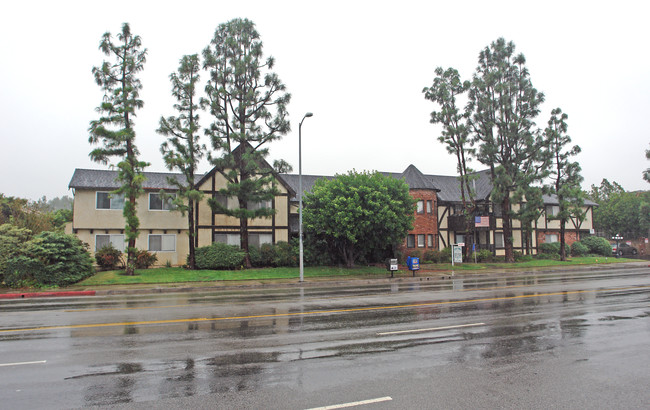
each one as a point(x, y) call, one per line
point(498, 240)
point(460, 238)
point(430, 207)
point(410, 241)
point(420, 240)
point(156, 202)
point(429, 241)
point(266, 204)
point(420, 208)
point(162, 243)
point(106, 200)
point(105, 240)
point(551, 238)
point(552, 210)
point(259, 239)
point(227, 238)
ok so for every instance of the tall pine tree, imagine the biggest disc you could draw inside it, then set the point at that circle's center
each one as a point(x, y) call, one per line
point(248, 102)
point(114, 128)
point(565, 174)
point(182, 150)
point(504, 104)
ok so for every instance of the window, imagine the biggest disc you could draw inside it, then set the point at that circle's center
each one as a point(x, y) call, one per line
point(106, 200)
point(430, 207)
point(498, 239)
point(420, 241)
point(460, 238)
point(429, 241)
point(551, 238)
point(227, 202)
point(156, 202)
point(552, 210)
point(410, 241)
point(265, 204)
point(105, 240)
point(258, 239)
point(162, 243)
point(228, 238)
point(498, 211)
point(420, 209)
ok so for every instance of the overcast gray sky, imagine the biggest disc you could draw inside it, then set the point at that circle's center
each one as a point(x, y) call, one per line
point(359, 66)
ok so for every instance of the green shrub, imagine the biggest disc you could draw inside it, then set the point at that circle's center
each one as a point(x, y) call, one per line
point(550, 248)
point(429, 257)
point(597, 245)
point(12, 243)
point(65, 258)
point(444, 255)
point(286, 255)
point(524, 258)
point(579, 249)
point(484, 255)
point(108, 257)
point(19, 271)
point(144, 259)
point(219, 256)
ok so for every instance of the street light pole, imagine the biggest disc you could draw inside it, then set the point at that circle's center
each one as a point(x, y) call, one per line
point(302, 266)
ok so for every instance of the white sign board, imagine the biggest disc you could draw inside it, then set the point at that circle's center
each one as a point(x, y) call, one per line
point(456, 254)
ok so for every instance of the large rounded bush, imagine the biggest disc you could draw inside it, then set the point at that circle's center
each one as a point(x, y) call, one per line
point(65, 258)
point(19, 271)
point(219, 256)
point(550, 248)
point(108, 257)
point(579, 249)
point(597, 245)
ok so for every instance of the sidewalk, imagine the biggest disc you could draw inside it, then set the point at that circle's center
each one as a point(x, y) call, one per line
point(400, 277)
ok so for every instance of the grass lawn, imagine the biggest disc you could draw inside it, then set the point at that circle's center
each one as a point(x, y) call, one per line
point(180, 275)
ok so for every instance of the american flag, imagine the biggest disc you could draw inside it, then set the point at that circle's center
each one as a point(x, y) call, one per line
point(482, 221)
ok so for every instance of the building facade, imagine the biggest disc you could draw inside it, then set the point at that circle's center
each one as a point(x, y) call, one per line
point(438, 222)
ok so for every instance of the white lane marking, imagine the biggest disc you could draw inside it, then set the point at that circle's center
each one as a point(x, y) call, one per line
point(430, 329)
point(22, 363)
point(353, 404)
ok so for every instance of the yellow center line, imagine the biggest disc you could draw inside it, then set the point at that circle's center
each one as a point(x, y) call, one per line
point(316, 312)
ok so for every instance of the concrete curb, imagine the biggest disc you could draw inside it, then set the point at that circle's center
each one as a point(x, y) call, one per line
point(47, 294)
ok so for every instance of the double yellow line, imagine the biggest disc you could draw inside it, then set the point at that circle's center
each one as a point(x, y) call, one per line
point(315, 312)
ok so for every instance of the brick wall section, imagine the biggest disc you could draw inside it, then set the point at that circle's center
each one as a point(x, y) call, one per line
point(569, 236)
point(426, 223)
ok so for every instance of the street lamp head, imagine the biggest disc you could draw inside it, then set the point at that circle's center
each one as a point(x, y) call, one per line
point(309, 114)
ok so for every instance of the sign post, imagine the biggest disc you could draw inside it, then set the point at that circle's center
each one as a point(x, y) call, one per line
point(456, 254)
point(391, 265)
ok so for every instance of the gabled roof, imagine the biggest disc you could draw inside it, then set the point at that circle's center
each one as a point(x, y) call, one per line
point(263, 164)
point(107, 179)
point(450, 186)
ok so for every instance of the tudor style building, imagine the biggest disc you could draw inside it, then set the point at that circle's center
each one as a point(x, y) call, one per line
point(439, 223)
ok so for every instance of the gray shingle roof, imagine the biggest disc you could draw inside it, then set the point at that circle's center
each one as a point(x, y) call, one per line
point(106, 179)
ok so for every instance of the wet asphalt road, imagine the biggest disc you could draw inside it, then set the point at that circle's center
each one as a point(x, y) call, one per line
point(574, 340)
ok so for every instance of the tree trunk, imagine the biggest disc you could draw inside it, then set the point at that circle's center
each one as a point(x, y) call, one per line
point(191, 264)
point(562, 242)
point(507, 228)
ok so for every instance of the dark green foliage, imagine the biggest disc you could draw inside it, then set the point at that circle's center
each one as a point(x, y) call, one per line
point(114, 129)
point(444, 255)
point(416, 254)
point(579, 249)
point(285, 255)
point(625, 213)
point(22, 213)
point(429, 256)
point(484, 255)
point(550, 248)
point(359, 213)
point(248, 102)
point(108, 258)
point(20, 271)
point(182, 150)
point(144, 259)
point(219, 256)
point(12, 242)
point(64, 257)
point(597, 245)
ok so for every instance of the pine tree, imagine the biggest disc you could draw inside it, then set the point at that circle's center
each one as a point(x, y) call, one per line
point(248, 103)
point(564, 173)
point(182, 150)
point(504, 104)
point(114, 128)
